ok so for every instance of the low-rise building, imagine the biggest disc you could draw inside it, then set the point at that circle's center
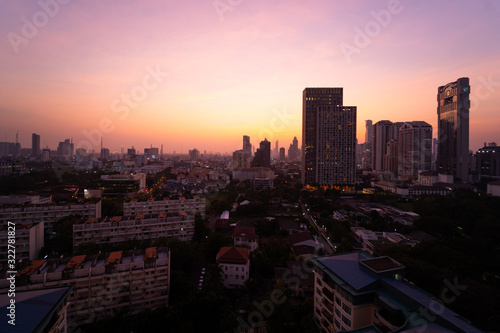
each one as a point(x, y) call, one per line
point(493, 188)
point(245, 236)
point(123, 184)
point(103, 283)
point(235, 265)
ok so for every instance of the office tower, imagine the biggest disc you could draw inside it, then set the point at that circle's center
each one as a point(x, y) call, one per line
point(293, 150)
point(282, 154)
point(35, 145)
point(369, 131)
point(104, 153)
point(488, 160)
point(247, 146)
point(453, 129)
point(328, 138)
point(131, 151)
point(391, 157)
point(151, 152)
point(276, 149)
point(65, 149)
point(263, 155)
point(383, 131)
point(194, 154)
point(414, 148)
point(241, 159)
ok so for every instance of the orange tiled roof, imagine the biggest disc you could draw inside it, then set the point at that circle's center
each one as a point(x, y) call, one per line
point(32, 267)
point(233, 255)
point(114, 258)
point(74, 263)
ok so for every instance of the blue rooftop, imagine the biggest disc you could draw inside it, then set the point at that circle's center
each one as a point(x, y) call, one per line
point(34, 309)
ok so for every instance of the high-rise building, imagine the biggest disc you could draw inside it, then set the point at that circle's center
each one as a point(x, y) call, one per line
point(328, 138)
point(367, 147)
point(194, 154)
point(247, 146)
point(453, 129)
point(357, 292)
point(35, 145)
point(263, 155)
point(369, 131)
point(383, 131)
point(293, 150)
point(391, 157)
point(414, 148)
point(65, 149)
point(282, 154)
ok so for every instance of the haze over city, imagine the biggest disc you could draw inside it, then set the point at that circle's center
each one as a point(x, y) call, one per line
point(210, 73)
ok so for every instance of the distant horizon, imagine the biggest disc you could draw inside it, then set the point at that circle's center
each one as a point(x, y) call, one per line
point(193, 75)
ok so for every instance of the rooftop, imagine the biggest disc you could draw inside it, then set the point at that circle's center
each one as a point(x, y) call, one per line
point(233, 255)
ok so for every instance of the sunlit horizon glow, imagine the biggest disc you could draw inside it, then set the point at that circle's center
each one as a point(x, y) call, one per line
point(225, 78)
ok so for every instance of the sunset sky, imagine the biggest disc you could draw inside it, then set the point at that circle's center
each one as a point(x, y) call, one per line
point(204, 73)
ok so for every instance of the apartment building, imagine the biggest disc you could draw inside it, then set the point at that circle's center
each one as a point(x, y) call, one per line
point(154, 207)
point(48, 213)
point(357, 292)
point(141, 227)
point(29, 240)
point(43, 310)
point(102, 283)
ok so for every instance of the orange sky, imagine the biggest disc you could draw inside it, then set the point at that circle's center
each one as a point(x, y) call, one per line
point(186, 75)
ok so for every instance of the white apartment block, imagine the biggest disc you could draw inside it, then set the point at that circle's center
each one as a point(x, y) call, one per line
point(117, 229)
point(29, 240)
point(235, 265)
point(102, 283)
point(155, 207)
point(49, 214)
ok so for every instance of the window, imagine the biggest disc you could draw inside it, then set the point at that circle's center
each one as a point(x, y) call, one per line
point(236, 268)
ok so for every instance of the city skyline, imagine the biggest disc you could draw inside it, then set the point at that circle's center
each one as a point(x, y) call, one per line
point(202, 76)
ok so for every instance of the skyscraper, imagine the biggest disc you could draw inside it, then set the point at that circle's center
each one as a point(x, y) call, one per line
point(35, 145)
point(293, 150)
point(414, 148)
point(328, 138)
point(263, 155)
point(453, 129)
point(247, 146)
point(383, 132)
point(367, 154)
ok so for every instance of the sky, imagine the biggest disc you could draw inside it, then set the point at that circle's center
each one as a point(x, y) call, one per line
point(201, 74)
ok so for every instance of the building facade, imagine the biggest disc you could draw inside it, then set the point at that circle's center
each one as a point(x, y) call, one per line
point(328, 138)
point(235, 265)
point(47, 213)
point(414, 149)
point(453, 129)
point(355, 291)
point(168, 206)
point(103, 283)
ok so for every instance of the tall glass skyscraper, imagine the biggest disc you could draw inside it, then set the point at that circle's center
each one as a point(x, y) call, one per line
point(453, 129)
